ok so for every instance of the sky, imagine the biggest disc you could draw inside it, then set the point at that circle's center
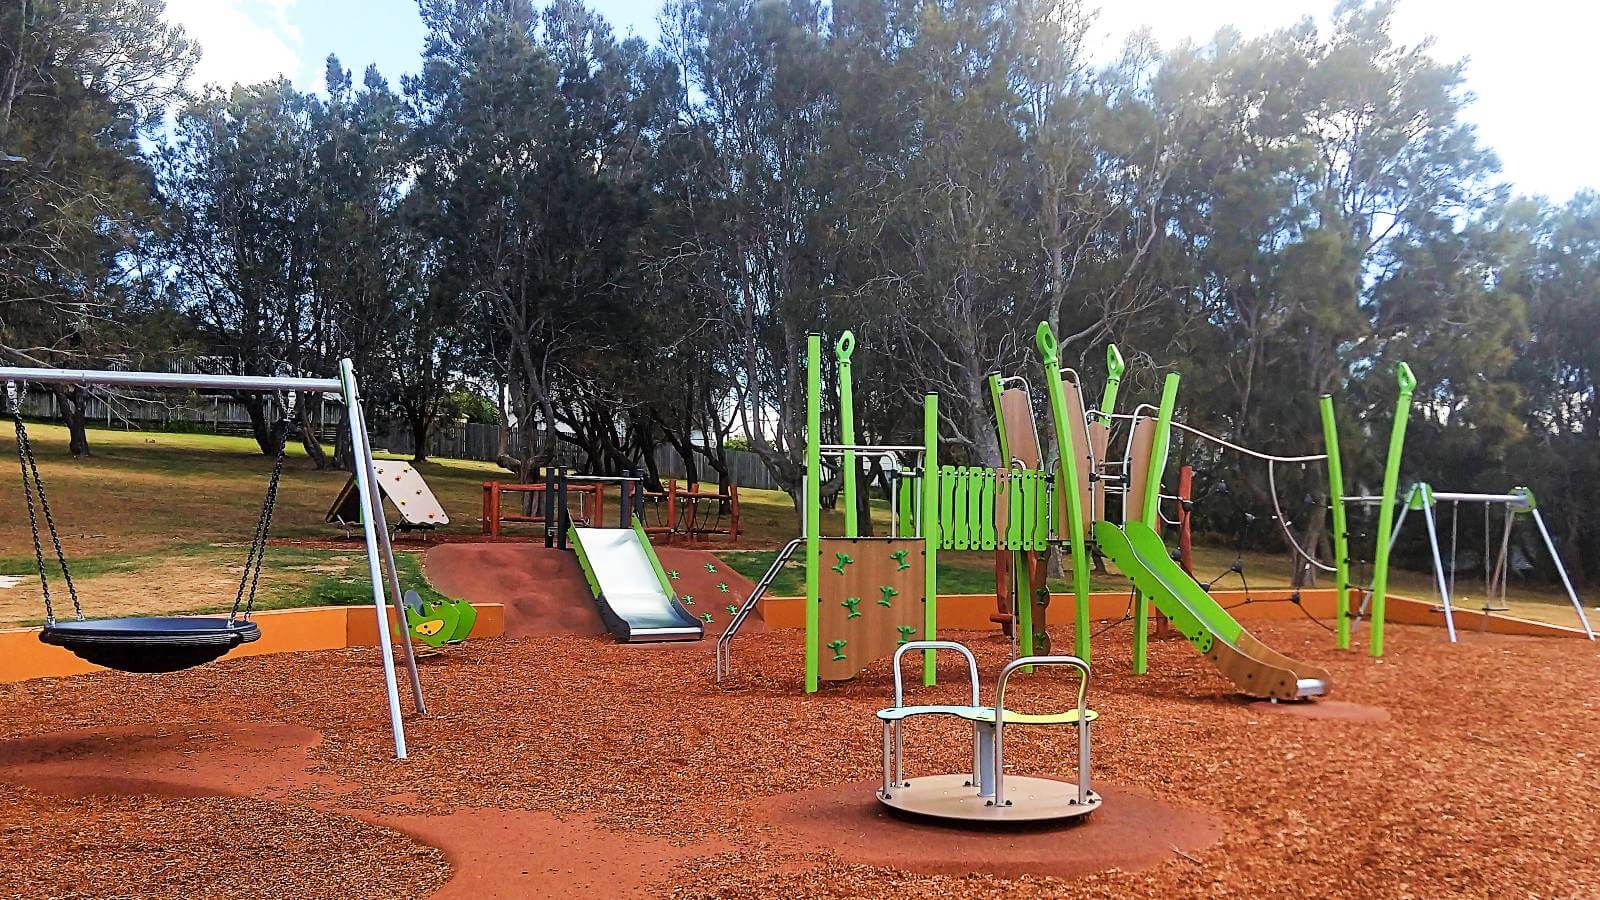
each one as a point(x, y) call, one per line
point(1529, 64)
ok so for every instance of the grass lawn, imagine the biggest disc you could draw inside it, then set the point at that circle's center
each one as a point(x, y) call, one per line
point(157, 522)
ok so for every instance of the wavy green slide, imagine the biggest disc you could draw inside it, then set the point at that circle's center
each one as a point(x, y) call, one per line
point(1255, 668)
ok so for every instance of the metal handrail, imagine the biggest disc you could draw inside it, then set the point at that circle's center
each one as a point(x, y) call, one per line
point(893, 736)
point(1083, 721)
point(725, 640)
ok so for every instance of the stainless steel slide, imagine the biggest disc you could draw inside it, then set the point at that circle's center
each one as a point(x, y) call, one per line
point(636, 599)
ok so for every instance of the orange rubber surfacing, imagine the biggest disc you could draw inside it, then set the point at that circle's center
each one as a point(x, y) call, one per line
point(1133, 831)
point(870, 596)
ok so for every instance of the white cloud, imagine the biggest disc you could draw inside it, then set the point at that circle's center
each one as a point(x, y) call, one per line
point(242, 40)
point(1529, 65)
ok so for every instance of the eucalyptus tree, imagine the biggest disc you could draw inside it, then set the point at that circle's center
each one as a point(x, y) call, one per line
point(531, 128)
point(82, 82)
point(236, 174)
point(757, 97)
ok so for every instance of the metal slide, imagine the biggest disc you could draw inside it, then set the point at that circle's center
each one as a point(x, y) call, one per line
point(636, 599)
point(1255, 668)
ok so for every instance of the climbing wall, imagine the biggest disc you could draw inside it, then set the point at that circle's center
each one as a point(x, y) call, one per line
point(870, 592)
point(707, 587)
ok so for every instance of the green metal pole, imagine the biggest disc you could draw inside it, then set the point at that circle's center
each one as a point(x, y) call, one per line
point(1114, 369)
point(847, 431)
point(1067, 480)
point(930, 530)
point(812, 503)
point(1341, 533)
point(1391, 485)
point(1151, 512)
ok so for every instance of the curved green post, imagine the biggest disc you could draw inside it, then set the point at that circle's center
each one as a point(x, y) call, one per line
point(1067, 480)
point(1114, 369)
point(847, 431)
point(1150, 514)
point(1341, 532)
point(1391, 484)
point(999, 420)
point(812, 503)
point(930, 529)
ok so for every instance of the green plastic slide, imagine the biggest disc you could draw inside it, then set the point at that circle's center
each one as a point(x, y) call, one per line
point(1256, 669)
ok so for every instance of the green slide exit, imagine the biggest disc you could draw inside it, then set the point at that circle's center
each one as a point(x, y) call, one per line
point(1255, 668)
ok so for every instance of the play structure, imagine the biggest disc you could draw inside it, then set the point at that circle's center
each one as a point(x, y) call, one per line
point(404, 487)
point(170, 643)
point(674, 513)
point(1102, 494)
point(536, 505)
point(686, 513)
point(987, 795)
point(637, 601)
point(438, 622)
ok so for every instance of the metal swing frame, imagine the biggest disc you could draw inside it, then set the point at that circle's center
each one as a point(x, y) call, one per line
point(1518, 501)
point(380, 554)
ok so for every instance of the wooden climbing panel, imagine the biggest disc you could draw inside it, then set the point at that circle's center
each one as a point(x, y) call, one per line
point(1141, 446)
point(1022, 435)
point(870, 592)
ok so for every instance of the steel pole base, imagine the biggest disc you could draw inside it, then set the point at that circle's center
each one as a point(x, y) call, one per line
point(953, 798)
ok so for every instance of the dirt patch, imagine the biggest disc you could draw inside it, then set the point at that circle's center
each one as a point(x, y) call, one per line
point(1130, 831)
point(543, 589)
point(166, 846)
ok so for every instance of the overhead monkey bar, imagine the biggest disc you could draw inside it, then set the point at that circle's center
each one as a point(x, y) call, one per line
point(374, 521)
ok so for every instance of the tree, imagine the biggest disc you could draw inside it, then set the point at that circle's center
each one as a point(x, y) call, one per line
point(533, 127)
point(756, 95)
point(235, 175)
point(81, 83)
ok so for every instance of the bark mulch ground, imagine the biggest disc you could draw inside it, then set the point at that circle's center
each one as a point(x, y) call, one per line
point(1481, 781)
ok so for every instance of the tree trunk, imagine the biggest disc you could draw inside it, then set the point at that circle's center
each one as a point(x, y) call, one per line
point(260, 429)
point(421, 428)
point(74, 406)
point(310, 440)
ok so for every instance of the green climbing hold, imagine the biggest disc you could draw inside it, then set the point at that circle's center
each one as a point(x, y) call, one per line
point(838, 648)
point(844, 560)
point(688, 599)
point(899, 556)
point(905, 632)
point(888, 591)
point(732, 609)
point(674, 574)
point(851, 605)
point(706, 618)
point(711, 567)
point(722, 586)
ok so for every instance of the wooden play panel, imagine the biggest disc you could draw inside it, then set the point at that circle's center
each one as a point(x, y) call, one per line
point(953, 798)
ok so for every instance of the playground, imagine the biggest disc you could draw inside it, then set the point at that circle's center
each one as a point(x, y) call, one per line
point(586, 707)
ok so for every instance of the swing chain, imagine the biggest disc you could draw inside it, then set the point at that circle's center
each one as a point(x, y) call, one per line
point(31, 482)
point(258, 543)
